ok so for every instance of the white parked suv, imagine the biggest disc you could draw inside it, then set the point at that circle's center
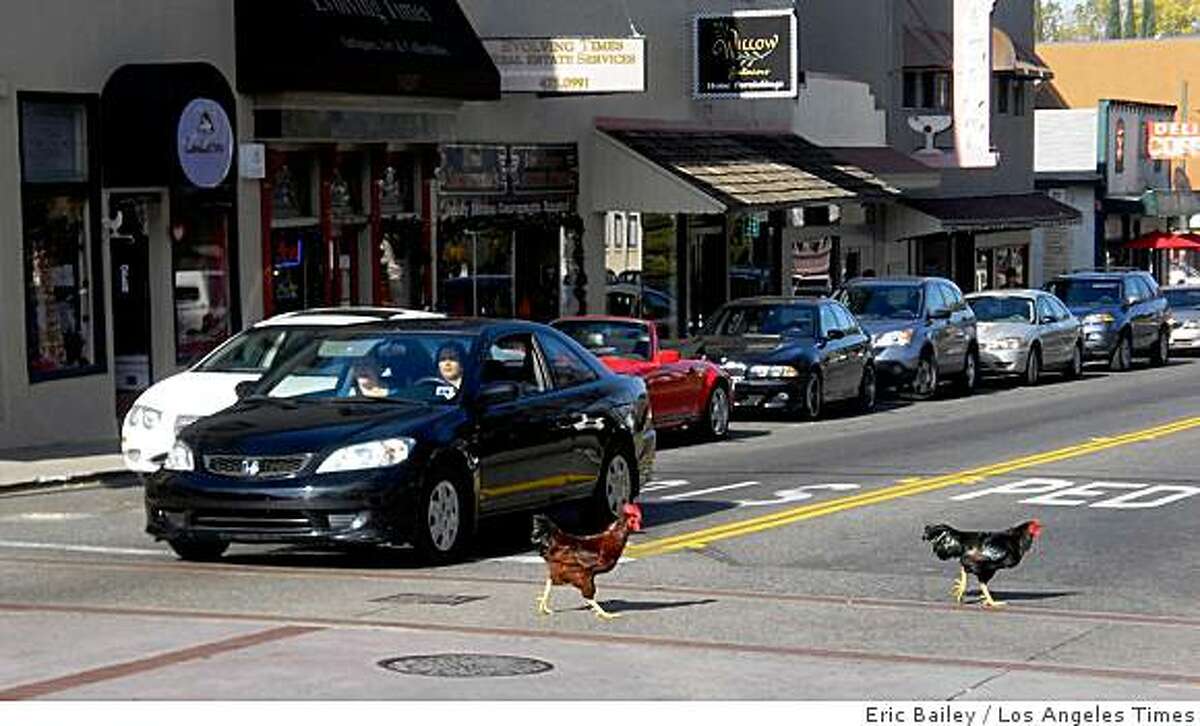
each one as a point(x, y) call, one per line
point(149, 429)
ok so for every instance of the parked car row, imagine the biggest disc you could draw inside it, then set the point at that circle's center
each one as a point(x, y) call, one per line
point(366, 426)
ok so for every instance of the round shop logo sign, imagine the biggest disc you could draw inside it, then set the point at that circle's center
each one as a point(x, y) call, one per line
point(205, 143)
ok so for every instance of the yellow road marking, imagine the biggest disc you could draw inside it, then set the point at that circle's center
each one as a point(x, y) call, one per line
point(903, 488)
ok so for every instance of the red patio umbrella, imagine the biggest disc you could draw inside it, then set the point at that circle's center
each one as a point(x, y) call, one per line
point(1158, 240)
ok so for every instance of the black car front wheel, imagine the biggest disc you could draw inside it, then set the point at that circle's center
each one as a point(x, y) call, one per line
point(814, 397)
point(194, 550)
point(1122, 357)
point(1161, 355)
point(443, 524)
point(867, 390)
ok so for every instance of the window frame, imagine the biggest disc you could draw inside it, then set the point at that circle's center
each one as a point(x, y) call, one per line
point(89, 190)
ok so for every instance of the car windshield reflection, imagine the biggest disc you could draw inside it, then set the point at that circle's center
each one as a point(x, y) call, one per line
point(883, 301)
point(1002, 309)
point(609, 338)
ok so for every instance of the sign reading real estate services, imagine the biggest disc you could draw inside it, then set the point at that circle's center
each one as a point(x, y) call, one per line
point(746, 54)
point(1172, 139)
point(569, 65)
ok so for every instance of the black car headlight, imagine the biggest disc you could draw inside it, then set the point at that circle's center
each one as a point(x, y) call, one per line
point(368, 455)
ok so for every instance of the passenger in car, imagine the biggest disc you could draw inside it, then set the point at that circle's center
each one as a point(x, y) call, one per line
point(450, 363)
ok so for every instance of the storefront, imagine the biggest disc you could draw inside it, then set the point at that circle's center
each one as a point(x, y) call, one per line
point(353, 129)
point(721, 216)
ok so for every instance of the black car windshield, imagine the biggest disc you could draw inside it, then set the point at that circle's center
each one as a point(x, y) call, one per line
point(883, 301)
point(1081, 293)
point(1183, 299)
point(255, 350)
point(610, 337)
point(1002, 309)
point(385, 366)
point(797, 320)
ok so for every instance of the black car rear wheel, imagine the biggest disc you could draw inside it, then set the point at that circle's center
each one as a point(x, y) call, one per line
point(615, 488)
point(198, 550)
point(443, 521)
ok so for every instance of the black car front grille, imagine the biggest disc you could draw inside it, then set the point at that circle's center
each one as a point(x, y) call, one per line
point(282, 522)
point(256, 467)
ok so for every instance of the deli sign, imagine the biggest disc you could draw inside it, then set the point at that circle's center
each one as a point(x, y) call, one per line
point(1172, 139)
point(746, 54)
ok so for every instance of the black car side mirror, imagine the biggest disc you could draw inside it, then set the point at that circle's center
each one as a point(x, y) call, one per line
point(497, 393)
point(244, 388)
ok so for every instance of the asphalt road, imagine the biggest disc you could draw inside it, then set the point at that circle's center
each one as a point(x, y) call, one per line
point(785, 563)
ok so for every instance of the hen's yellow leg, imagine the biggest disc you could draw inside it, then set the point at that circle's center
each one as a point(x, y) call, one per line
point(987, 597)
point(543, 602)
point(601, 612)
point(960, 586)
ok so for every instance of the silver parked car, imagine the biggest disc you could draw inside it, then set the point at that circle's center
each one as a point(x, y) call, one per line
point(1185, 316)
point(1026, 332)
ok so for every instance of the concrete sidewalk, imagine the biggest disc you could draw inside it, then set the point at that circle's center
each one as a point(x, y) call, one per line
point(41, 466)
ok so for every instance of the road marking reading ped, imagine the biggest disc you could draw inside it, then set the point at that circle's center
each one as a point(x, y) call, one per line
point(1065, 493)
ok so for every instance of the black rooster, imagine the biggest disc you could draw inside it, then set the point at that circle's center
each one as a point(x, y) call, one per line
point(981, 553)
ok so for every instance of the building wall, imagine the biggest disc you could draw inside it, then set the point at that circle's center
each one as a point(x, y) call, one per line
point(1083, 72)
point(1061, 249)
point(73, 47)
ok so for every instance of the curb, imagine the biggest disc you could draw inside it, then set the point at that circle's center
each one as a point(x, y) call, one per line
point(119, 477)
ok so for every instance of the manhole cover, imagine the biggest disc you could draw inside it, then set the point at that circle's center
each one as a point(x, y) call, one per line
point(421, 598)
point(466, 665)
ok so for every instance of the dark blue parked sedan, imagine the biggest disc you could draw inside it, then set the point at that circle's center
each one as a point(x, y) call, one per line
point(406, 432)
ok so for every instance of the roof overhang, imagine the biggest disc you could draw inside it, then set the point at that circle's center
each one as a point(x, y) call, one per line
point(927, 48)
point(709, 171)
point(995, 213)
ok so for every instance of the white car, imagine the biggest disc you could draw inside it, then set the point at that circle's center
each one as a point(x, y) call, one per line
point(149, 429)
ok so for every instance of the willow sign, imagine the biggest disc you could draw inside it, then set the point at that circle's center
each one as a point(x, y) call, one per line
point(746, 54)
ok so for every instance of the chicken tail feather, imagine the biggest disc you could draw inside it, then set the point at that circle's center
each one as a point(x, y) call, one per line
point(944, 540)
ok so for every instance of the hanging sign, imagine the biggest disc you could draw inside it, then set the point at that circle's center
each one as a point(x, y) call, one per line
point(745, 54)
point(204, 140)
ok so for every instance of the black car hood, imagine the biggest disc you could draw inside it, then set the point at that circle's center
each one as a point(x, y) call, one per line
point(761, 350)
point(270, 426)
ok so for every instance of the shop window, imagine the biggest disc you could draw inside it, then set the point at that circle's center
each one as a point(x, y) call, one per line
point(927, 89)
point(1018, 98)
point(60, 221)
point(1002, 84)
point(200, 260)
point(648, 287)
point(752, 268)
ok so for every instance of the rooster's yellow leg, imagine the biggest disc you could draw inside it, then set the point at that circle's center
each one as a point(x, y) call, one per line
point(960, 586)
point(601, 612)
point(987, 597)
point(543, 602)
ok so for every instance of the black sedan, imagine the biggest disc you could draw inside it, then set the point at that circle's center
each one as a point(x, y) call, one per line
point(406, 432)
point(791, 354)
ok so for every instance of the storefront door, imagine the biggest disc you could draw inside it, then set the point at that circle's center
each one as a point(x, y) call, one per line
point(477, 270)
point(129, 242)
point(297, 269)
point(707, 268)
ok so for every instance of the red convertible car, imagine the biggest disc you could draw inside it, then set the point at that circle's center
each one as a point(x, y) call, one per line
point(683, 393)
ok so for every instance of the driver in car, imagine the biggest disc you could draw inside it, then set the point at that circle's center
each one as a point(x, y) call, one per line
point(367, 380)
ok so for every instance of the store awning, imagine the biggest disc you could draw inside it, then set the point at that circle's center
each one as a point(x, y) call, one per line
point(998, 212)
point(702, 171)
point(926, 48)
point(415, 48)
